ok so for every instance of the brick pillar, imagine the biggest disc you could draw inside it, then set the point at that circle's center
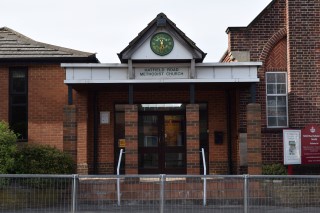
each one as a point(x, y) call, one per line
point(82, 133)
point(70, 131)
point(131, 135)
point(254, 139)
point(193, 160)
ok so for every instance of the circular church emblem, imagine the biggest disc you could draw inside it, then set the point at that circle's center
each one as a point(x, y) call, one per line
point(161, 43)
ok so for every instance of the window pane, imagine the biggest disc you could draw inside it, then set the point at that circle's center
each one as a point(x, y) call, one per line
point(276, 88)
point(18, 74)
point(282, 121)
point(174, 130)
point(271, 89)
point(281, 89)
point(272, 111)
point(19, 99)
point(281, 78)
point(149, 160)
point(19, 85)
point(18, 121)
point(272, 101)
point(272, 121)
point(282, 101)
point(282, 111)
point(271, 77)
point(148, 131)
point(174, 160)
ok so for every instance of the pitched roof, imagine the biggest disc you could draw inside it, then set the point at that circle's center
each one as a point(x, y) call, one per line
point(17, 47)
point(160, 21)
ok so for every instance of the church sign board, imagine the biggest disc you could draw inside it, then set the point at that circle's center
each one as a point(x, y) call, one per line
point(302, 146)
point(162, 72)
point(292, 146)
point(310, 142)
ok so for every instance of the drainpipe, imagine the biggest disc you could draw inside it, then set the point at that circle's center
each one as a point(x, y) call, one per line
point(70, 99)
point(130, 94)
point(253, 92)
point(95, 131)
point(229, 130)
point(192, 94)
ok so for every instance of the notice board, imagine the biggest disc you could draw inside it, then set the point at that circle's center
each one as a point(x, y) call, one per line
point(310, 144)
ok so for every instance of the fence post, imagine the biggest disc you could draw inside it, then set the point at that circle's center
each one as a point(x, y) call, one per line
point(74, 193)
point(245, 193)
point(162, 180)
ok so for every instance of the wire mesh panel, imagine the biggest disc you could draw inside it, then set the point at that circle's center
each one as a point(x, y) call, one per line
point(35, 193)
point(159, 193)
point(284, 194)
point(225, 193)
point(100, 193)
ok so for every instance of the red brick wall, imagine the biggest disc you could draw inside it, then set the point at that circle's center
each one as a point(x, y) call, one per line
point(277, 58)
point(265, 38)
point(304, 61)
point(47, 95)
point(217, 117)
point(4, 88)
point(254, 38)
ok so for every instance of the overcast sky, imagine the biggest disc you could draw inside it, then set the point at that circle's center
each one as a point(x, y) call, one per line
point(106, 27)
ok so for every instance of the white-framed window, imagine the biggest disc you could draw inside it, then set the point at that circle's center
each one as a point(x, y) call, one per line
point(277, 99)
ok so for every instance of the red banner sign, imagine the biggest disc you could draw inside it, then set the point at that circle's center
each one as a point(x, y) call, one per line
point(310, 144)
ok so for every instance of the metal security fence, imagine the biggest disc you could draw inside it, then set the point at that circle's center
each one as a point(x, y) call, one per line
point(35, 193)
point(159, 193)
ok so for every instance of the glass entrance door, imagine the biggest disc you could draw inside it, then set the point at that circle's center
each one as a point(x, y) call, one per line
point(162, 148)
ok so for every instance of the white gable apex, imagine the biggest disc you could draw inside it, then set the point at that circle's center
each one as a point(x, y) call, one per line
point(139, 49)
point(179, 51)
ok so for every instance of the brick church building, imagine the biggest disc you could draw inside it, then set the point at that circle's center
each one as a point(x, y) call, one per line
point(285, 38)
point(162, 104)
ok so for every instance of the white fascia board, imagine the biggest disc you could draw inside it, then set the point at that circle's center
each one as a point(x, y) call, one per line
point(92, 65)
point(230, 64)
point(251, 80)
